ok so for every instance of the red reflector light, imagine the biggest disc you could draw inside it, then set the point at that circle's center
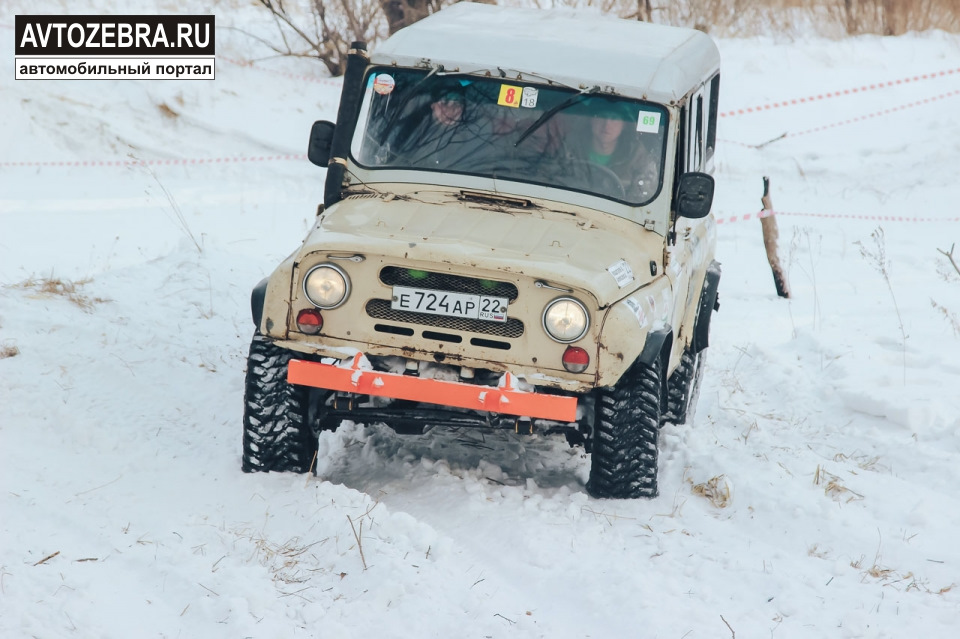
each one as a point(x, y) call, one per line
point(575, 359)
point(309, 321)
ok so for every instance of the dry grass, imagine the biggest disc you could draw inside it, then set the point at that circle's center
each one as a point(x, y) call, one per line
point(877, 572)
point(57, 287)
point(818, 552)
point(167, 112)
point(282, 559)
point(8, 350)
point(948, 274)
point(863, 462)
point(877, 256)
point(833, 487)
point(952, 318)
point(898, 581)
point(893, 17)
point(831, 18)
point(717, 490)
point(323, 29)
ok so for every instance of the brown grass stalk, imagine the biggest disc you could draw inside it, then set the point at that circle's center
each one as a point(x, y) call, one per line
point(58, 287)
point(357, 536)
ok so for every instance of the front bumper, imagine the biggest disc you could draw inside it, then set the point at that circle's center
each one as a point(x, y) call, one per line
point(505, 399)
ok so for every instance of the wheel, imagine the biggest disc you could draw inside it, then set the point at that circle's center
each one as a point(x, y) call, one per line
point(683, 389)
point(626, 429)
point(277, 435)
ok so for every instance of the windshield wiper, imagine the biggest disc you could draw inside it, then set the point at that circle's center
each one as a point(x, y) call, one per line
point(573, 99)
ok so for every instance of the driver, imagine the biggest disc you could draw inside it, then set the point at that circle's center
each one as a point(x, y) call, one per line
point(614, 143)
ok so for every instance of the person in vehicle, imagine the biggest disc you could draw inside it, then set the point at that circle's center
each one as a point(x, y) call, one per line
point(447, 109)
point(614, 143)
point(436, 137)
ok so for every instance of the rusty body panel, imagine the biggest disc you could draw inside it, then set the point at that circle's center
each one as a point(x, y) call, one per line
point(544, 252)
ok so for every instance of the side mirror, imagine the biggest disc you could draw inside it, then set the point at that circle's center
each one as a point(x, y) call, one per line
point(321, 137)
point(694, 195)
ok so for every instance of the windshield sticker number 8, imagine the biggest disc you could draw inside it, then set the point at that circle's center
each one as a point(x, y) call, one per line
point(509, 96)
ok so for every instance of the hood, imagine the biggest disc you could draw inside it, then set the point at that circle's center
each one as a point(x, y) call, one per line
point(562, 248)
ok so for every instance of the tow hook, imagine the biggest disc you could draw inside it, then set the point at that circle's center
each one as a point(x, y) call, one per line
point(523, 426)
point(343, 403)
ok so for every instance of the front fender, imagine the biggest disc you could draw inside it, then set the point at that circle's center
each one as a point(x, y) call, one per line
point(635, 328)
point(257, 297)
point(270, 301)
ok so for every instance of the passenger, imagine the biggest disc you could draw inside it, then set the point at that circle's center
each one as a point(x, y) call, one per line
point(438, 138)
point(447, 109)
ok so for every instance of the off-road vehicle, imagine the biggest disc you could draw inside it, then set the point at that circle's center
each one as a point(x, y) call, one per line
point(516, 233)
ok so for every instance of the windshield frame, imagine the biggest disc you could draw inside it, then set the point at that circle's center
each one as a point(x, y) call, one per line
point(523, 145)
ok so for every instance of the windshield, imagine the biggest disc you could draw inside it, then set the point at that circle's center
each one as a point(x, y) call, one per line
point(584, 141)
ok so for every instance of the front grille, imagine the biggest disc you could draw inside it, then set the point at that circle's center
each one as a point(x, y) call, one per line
point(396, 276)
point(380, 309)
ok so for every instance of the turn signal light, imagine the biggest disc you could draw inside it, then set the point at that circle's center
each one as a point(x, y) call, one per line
point(575, 359)
point(309, 321)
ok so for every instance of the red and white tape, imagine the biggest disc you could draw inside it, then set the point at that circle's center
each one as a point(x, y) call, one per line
point(837, 94)
point(859, 118)
point(192, 161)
point(730, 219)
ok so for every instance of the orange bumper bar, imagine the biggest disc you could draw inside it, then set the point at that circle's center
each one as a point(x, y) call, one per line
point(506, 400)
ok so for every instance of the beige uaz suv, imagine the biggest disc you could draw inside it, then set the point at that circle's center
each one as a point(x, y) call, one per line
point(516, 233)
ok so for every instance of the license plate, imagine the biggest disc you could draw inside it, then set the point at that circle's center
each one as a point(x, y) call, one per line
point(419, 300)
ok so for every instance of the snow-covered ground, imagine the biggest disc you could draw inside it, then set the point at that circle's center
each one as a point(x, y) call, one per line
point(833, 418)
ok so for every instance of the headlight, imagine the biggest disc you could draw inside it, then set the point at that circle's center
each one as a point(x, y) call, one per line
point(565, 320)
point(326, 286)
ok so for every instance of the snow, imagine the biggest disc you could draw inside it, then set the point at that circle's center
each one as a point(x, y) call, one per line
point(832, 434)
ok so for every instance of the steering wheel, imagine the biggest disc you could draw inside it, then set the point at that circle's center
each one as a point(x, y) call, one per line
point(599, 179)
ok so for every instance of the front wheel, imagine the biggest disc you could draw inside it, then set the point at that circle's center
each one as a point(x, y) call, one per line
point(277, 435)
point(626, 430)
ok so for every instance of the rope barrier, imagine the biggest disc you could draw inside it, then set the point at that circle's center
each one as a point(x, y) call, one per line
point(730, 219)
point(860, 118)
point(840, 93)
point(192, 161)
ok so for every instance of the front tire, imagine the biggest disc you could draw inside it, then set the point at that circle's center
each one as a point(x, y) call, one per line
point(276, 432)
point(625, 457)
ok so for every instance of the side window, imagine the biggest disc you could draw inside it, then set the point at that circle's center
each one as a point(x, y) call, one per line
point(694, 137)
point(713, 114)
point(683, 153)
point(699, 125)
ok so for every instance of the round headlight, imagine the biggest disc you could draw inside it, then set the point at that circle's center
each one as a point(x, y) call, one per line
point(565, 320)
point(326, 286)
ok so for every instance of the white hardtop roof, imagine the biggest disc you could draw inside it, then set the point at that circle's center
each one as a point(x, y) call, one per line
point(576, 48)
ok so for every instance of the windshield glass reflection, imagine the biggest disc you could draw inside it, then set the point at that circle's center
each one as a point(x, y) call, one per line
point(584, 141)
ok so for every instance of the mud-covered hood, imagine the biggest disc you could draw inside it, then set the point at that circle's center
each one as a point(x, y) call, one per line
point(561, 248)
